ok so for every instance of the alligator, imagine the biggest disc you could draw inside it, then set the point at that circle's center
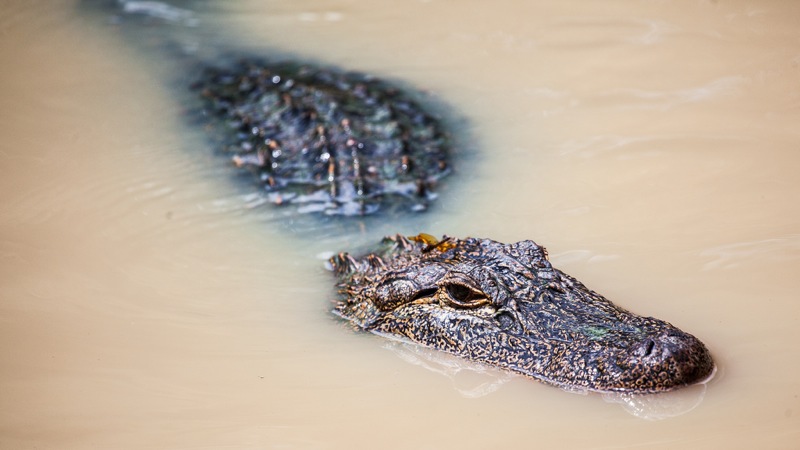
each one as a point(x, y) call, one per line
point(330, 142)
point(346, 144)
point(505, 305)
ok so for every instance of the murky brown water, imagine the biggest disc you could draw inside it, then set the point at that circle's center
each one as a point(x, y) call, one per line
point(652, 146)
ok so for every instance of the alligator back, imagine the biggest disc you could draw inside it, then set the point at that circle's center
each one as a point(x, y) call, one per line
point(324, 140)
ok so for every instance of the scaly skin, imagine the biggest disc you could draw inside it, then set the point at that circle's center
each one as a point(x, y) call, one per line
point(327, 141)
point(506, 305)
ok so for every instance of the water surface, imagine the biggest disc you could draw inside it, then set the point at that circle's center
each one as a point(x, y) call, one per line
point(148, 302)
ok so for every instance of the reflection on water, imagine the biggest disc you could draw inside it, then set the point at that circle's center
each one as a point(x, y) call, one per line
point(148, 300)
point(469, 378)
point(473, 380)
point(660, 406)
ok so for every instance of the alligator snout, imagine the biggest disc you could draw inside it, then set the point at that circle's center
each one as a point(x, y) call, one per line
point(669, 359)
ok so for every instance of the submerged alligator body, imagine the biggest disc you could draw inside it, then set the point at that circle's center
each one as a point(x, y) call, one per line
point(506, 305)
point(327, 141)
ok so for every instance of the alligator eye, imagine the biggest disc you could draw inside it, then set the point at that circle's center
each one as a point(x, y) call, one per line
point(465, 297)
point(424, 293)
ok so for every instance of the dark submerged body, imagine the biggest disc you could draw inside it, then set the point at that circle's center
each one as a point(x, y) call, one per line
point(319, 138)
point(327, 141)
point(506, 305)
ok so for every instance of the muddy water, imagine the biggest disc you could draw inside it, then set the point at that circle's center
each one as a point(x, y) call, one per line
point(146, 303)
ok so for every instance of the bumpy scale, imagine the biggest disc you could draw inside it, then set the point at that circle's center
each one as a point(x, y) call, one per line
point(506, 305)
point(327, 141)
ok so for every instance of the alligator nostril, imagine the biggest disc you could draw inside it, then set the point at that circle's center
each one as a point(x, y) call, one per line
point(650, 345)
point(645, 348)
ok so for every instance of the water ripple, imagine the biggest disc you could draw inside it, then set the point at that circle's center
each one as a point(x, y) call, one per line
point(780, 249)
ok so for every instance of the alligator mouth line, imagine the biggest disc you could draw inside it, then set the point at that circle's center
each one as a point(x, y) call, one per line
point(505, 305)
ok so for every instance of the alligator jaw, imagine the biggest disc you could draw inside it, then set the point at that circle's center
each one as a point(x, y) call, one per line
point(505, 305)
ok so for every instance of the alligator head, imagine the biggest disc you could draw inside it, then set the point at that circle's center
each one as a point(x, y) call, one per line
point(506, 305)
